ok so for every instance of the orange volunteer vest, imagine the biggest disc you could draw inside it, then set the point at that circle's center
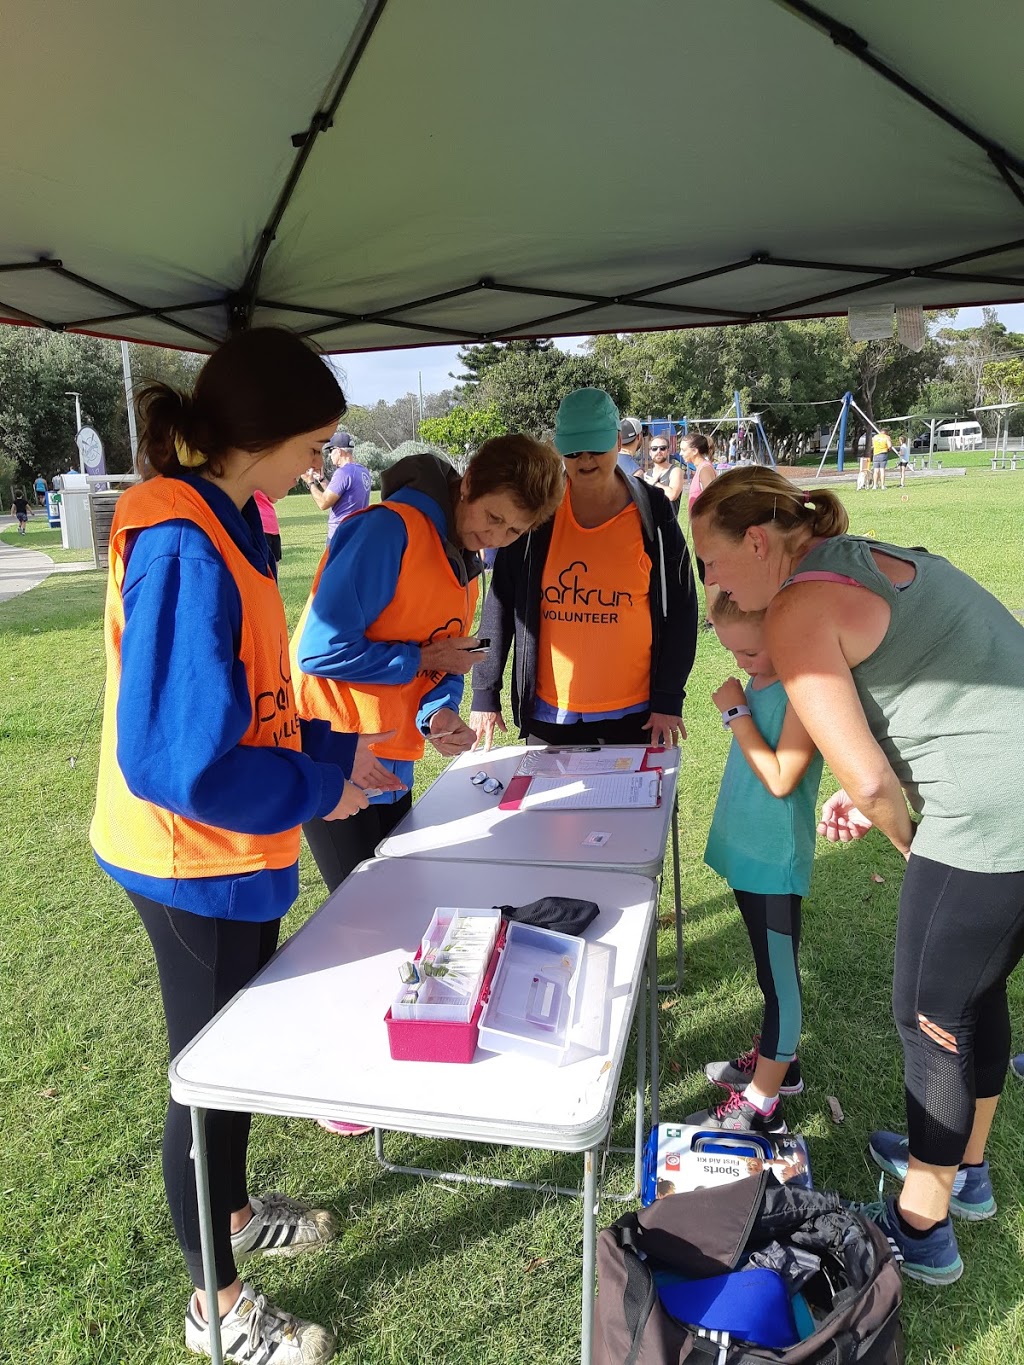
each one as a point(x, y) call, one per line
point(594, 647)
point(429, 604)
point(134, 834)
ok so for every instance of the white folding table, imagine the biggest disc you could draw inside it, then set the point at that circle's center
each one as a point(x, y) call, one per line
point(454, 820)
point(306, 1037)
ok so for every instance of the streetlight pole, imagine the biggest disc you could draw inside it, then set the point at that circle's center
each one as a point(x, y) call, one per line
point(70, 393)
point(133, 436)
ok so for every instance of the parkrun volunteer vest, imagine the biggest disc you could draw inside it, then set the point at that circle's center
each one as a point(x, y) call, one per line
point(429, 604)
point(594, 647)
point(134, 834)
point(880, 445)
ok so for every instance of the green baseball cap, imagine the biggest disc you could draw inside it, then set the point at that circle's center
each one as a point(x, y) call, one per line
point(587, 420)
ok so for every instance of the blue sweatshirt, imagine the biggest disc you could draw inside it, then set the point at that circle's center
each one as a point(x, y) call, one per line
point(359, 580)
point(183, 708)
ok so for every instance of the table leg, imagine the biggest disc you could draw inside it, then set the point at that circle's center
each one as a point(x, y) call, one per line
point(641, 1079)
point(677, 894)
point(652, 972)
point(206, 1231)
point(589, 1255)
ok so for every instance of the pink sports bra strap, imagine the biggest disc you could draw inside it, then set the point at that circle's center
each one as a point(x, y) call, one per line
point(824, 576)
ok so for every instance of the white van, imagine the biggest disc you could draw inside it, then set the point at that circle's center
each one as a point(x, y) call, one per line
point(958, 436)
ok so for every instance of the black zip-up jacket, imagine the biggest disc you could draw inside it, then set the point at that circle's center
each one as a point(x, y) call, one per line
point(511, 614)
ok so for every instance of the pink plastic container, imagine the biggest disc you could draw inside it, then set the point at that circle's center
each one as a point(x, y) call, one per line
point(423, 1040)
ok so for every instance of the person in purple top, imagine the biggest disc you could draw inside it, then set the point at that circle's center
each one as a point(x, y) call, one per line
point(349, 488)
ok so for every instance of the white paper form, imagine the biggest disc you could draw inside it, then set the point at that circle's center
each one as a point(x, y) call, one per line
point(599, 791)
point(580, 762)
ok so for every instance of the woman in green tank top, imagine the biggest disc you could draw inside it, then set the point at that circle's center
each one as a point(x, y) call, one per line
point(906, 674)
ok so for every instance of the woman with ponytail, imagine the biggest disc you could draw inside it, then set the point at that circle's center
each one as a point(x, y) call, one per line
point(697, 450)
point(206, 772)
point(906, 675)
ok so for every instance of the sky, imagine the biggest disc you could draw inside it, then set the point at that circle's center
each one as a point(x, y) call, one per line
point(392, 374)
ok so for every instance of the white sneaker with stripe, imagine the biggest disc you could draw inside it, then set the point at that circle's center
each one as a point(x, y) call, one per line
point(280, 1226)
point(259, 1333)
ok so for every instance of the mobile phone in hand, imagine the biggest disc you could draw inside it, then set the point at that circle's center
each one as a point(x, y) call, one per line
point(481, 647)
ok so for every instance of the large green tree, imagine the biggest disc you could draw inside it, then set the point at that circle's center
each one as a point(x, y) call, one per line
point(788, 372)
point(39, 369)
point(462, 430)
point(477, 360)
point(525, 388)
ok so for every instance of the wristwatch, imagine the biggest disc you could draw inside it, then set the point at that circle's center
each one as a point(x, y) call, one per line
point(734, 713)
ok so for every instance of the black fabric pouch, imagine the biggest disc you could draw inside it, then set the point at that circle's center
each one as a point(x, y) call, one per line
point(561, 913)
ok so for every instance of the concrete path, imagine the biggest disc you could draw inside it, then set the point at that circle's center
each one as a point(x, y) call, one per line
point(21, 570)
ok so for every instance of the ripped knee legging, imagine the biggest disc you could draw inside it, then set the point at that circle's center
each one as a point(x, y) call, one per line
point(960, 935)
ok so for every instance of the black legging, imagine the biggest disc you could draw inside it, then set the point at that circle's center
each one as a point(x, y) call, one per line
point(623, 730)
point(338, 846)
point(773, 924)
point(202, 963)
point(959, 936)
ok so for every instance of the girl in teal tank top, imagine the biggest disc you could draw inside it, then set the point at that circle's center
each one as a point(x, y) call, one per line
point(762, 843)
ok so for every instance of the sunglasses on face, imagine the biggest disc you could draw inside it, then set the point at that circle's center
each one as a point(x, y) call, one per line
point(576, 454)
point(491, 785)
point(655, 449)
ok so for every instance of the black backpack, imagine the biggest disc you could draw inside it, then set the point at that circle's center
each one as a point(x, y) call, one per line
point(855, 1298)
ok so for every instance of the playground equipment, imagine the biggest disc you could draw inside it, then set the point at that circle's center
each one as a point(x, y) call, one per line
point(748, 443)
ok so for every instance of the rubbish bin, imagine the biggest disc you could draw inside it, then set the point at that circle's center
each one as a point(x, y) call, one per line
point(75, 522)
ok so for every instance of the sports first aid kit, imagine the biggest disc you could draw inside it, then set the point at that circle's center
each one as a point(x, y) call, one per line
point(683, 1157)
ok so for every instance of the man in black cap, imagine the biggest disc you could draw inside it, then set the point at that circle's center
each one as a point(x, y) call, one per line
point(631, 445)
point(349, 488)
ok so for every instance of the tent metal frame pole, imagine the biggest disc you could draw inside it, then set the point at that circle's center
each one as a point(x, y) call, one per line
point(193, 307)
point(337, 320)
point(157, 313)
point(858, 47)
point(241, 307)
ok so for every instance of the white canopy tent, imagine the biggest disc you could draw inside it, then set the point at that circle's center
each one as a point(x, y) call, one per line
point(390, 172)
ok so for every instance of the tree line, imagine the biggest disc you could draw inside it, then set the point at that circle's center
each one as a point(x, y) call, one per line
point(780, 370)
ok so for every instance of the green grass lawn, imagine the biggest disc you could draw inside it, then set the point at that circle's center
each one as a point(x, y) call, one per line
point(89, 1271)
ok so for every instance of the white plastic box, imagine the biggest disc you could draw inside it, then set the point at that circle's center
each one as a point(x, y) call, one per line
point(437, 1002)
point(531, 1005)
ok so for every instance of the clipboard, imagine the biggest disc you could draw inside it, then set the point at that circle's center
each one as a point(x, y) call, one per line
point(595, 792)
point(527, 766)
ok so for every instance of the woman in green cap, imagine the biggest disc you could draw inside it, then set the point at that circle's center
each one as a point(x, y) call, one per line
point(598, 605)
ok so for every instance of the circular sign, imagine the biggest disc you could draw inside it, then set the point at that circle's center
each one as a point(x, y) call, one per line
point(90, 446)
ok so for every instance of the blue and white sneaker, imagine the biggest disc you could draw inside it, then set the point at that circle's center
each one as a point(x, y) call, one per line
point(972, 1197)
point(934, 1259)
point(1017, 1066)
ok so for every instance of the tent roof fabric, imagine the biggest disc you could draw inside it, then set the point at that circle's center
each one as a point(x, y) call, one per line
point(387, 172)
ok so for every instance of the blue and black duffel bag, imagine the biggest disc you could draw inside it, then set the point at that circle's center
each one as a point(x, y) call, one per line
point(746, 1273)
